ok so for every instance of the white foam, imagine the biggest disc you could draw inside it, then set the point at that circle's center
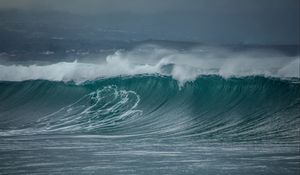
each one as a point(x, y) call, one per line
point(183, 65)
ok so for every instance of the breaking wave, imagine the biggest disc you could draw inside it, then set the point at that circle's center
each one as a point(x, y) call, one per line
point(252, 108)
point(182, 65)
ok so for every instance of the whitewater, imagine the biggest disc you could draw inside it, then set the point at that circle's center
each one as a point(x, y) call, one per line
point(182, 65)
point(153, 110)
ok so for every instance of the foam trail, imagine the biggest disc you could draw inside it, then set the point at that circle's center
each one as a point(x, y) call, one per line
point(181, 65)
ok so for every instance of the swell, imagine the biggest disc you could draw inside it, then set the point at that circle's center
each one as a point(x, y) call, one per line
point(211, 107)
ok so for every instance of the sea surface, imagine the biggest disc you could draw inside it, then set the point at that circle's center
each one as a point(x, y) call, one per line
point(153, 110)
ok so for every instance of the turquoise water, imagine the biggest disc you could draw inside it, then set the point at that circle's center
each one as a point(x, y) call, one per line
point(149, 124)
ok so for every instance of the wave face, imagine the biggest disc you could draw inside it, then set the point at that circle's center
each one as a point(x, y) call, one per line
point(211, 107)
point(152, 111)
point(145, 123)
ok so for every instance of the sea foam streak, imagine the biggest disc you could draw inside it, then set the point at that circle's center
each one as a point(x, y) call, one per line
point(183, 65)
point(102, 108)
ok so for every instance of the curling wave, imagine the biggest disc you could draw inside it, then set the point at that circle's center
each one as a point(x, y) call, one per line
point(252, 108)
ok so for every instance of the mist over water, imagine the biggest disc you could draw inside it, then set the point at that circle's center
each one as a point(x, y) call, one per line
point(182, 65)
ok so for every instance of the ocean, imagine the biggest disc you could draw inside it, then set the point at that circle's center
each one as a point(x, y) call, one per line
point(152, 109)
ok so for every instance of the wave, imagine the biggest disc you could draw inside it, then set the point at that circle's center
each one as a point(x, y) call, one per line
point(250, 108)
point(182, 65)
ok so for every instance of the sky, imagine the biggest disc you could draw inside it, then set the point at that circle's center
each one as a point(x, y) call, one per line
point(216, 21)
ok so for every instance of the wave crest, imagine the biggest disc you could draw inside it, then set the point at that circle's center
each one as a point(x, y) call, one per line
point(181, 65)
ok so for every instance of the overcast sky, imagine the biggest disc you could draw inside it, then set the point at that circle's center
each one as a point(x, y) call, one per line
point(155, 6)
point(269, 21)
